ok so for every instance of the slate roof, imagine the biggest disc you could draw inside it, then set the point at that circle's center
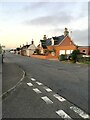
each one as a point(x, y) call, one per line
point(48, 41)
point(58, 39)
point(43, 42)
point(25, 46)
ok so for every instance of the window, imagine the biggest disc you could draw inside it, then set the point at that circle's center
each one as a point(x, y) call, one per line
point(62, 52)
point(84, 51)
point(69, 51)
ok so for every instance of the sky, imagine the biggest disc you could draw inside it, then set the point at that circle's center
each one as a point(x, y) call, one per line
point(24, 20)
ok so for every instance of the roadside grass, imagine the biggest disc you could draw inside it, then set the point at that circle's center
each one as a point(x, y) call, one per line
point(86, 62)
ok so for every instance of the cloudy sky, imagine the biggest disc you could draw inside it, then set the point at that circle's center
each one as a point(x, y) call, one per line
point(22, 21)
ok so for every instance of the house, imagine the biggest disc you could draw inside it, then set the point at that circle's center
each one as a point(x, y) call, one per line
point(23, 50)
point(59, 44)
point(84, 49)
point(28, 50)
point(42, 47)
point(31, 49)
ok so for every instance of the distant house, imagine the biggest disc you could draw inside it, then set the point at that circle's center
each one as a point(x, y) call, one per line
point(58, 45)
point(31, 49)
point(23, 50)
point(42, 47)
point(28, 50)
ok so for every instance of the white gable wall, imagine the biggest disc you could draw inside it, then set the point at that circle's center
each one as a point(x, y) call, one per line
point(31, 49)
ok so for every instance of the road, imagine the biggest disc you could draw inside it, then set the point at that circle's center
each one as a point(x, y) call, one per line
point(50, 89)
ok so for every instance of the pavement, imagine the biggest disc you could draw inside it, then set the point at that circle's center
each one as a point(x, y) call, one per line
point(11, 75)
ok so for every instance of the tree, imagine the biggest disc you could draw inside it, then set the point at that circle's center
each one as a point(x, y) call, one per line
point(17, 49)
point(74, 55)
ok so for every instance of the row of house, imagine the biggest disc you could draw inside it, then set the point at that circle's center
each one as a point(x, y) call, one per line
point(26, 50)
point(61, 45)
point(54, 46)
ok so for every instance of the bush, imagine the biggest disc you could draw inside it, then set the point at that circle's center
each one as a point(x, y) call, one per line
point(74, 55)
point(62, 57)
point(86, 59)
point(0, 49)
point(37, 51)
point(80, 58)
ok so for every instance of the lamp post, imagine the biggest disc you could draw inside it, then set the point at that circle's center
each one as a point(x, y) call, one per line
point(2, 51)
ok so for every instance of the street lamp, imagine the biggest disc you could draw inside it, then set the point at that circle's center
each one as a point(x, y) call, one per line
point(2, 51)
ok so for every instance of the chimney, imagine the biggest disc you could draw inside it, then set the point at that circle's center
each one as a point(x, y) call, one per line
point(66, 33)
point(32, 42)
point(26, 43)
point(44, 37)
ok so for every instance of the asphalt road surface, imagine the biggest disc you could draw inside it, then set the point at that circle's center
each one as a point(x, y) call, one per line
point(50, 89)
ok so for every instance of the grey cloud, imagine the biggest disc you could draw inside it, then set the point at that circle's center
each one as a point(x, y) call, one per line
point(34, 5)
point(84, 10)
point(80, 37)
point(56, 31)
point(51, 20)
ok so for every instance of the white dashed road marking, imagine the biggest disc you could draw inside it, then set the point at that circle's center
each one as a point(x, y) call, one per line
point(30, 84)
point(39, 83)
point(62, 114)
point(80, 112)
point(47, 89)
point(33, 79)
point(37, 90)
point(47, 100)
point(61, 99)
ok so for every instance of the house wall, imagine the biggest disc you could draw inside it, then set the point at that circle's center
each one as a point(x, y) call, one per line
point(58, 48)
point(87, 50)
point(44, 57)
point(30, 50)
point(66, 44)
point(23, 52)
point(27, 52)
point(66, 41)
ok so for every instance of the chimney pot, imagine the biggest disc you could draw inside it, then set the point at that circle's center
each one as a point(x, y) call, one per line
point(32, 42)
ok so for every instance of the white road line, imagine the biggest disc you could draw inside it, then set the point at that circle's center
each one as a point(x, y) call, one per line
point(47, 100)
point(30, 84)
point(39, 83)
point(37, 90)
point(33, 79)
point(61, 99)
point(47, 89)
point(62, 114)
point(80, 112)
